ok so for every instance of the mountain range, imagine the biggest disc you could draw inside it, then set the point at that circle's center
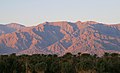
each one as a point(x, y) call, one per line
point(59, 38)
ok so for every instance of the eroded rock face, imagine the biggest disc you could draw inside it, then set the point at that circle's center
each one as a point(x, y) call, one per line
point(62, 37)
point(9, 28)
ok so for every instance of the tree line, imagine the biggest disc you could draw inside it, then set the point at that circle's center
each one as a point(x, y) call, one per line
point(68, 63)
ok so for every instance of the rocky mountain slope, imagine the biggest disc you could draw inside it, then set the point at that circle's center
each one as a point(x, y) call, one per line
point(62, 37)
point(9, 28)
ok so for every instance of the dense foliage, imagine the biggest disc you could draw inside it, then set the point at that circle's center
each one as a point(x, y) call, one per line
point(80, 63)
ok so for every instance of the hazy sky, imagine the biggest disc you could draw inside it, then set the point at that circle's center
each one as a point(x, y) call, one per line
point(33, 12)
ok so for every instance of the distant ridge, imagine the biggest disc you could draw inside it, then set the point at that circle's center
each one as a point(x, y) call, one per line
point(9, 28)
point(59, 38)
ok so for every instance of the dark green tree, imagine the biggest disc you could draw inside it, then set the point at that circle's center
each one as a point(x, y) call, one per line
point(40, 67)
point(67, 67)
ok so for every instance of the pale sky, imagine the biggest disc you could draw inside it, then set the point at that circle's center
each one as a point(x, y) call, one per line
point(33, 12)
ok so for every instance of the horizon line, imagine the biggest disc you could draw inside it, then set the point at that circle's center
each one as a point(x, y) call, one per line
point(58, 21)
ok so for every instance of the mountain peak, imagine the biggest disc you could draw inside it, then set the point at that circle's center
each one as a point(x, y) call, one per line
point(14, 25)
point(90, 22)
point(78, 22)
point(60, 37)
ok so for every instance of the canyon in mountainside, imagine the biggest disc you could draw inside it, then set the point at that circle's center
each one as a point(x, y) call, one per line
point(60, 38)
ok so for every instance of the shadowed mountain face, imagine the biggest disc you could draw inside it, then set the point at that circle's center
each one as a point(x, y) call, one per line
point(60, 38)
point(9, 28)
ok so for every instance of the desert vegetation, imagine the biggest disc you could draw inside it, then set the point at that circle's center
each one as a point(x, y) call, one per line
point(68, 63)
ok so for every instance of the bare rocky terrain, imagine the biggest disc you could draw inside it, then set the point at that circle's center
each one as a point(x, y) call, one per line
point(60, 38)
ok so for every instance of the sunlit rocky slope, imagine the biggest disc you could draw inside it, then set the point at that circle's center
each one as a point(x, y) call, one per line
point(60, 38)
